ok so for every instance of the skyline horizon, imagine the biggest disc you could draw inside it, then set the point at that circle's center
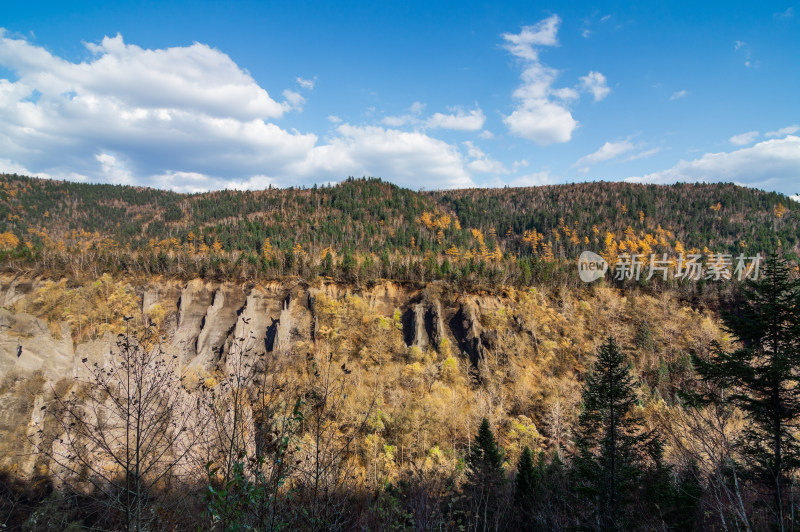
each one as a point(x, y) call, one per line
point(194, 97)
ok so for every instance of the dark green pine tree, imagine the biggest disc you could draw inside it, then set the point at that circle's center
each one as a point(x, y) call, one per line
point(524, 482)
point(485, 480)
point(762, 377)
point(613, 450)
point(486, 459)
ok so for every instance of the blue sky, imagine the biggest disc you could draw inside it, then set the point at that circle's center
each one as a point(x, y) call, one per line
point(205, 95)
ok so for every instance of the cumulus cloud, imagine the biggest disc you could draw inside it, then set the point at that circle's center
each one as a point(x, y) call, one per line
point(460, 119)
point(542, 121)
point(190, 119)
point(196, 77)
point(609, 150)
point(411, 159)
point(744, 138)
point(541, 114)
point(524, 43)
point(482, 163)
point(772, 164)
point(595, 83)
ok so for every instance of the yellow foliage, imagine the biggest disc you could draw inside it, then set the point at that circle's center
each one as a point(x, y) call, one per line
point(92, 309)
point(266, 249)
point(8, 240)
point(449, 372)
point(414, 353)
point(412, 374)
point(523, 433)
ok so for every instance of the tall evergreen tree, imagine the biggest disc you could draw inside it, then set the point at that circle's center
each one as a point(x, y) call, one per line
point(525, 481)
point(762, 377)
point(485, 480)
point(486, 459)
point(613, 449)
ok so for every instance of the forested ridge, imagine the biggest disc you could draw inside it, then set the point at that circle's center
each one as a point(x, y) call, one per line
point(363, 229)
point(290, 358)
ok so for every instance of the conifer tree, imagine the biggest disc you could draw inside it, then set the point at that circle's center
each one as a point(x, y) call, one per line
point(486, 459)
point(524, 486)
point(485, 480)
point(613, 450)
point(524, 482)
point(762, 377)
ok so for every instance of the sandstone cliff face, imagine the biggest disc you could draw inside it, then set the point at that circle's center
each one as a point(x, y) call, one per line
point(202, 319)
point(27, 346)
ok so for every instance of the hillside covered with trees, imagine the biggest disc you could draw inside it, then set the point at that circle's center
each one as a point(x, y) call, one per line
point(367, 229)
point(367, 357)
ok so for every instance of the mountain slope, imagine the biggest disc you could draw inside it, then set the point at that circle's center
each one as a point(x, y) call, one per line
point(370, 229)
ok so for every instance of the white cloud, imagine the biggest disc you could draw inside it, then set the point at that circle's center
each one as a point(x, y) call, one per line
point(461, 120)
point(567, 94)
point(771, 164)
point(416, 108)
point(595, 83)
point(410, 118)
point(643, 154)
point(609, 150)
point(482, 163)
point(410, 159)
point(744, 138)
point(294, 100)
point(196, 77)
point(789, 13)
point(789, 130)
point(190, 119)
point(532, 180)
point(522, 163)
point(116, 171)
point(542, 121)
point(528, 180)
point(537, 116)
point(795, 197)
point(744, 48)
point(523, 44)
point(306, 83)
point(397, 121)
point(678, 94)
point(457, 119)
point(486, 134)
point(10, 167)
